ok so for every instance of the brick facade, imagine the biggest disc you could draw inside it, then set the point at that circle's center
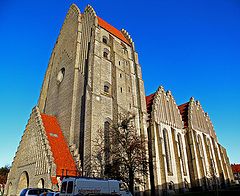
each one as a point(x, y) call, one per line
point(93, 75)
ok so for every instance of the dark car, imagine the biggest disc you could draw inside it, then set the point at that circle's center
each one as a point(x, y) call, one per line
point(34, 191)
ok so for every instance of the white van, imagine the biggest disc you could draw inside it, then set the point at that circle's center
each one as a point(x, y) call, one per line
point(90, 186)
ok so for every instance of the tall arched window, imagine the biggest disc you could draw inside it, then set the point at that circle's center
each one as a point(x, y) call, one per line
point(107, 141)
point(167, 151)
point(212, 163)
point(209, 148)
point(200, 146)
point(181, 152)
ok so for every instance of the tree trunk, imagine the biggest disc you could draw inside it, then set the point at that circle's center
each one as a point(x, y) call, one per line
point(131, 181)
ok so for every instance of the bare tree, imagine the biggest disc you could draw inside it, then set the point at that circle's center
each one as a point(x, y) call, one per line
point(97, 156)
point(121, 153)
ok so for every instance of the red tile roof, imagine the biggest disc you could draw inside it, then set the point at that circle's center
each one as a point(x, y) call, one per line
point(184, 112)
point(54, 180)
point(61, 153)
point(102, 23)
point(235, 168)
point(149, 102)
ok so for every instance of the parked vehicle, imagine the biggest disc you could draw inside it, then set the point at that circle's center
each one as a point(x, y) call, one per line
point(50, 194)
point(34, 191)
point(90, 186)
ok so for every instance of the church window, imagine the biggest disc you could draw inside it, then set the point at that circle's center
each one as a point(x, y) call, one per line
point(200, 146)
point(119, 62)
point(171, 186)
point(210, 149)
point(121, 89)
point(60, 75)
point(105, 53)
point(181, 153)
point(105, 40)
point(106, 88)
point(120, 75)
point(124, 48)
point(167, 151)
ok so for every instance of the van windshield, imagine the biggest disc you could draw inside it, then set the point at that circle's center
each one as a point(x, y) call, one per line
point(64, 187)
point(70, 187)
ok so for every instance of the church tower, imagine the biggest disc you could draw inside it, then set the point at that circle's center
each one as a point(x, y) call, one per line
point(93, 75)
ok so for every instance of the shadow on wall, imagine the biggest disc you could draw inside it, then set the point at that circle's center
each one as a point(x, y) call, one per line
point(209, 186)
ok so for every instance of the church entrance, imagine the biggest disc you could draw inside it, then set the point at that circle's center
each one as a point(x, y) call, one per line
point(23, 182)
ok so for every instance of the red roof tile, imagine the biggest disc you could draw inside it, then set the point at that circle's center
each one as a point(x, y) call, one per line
point(235, 168)
point(149, 102)
point(102, 23)
point(54, 180)
point(184, 112)
point(61, 153)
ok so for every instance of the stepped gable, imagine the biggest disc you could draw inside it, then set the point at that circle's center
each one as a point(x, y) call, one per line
point(63, 159)
point(184, 113)
point(149, 102)
point(102, 23)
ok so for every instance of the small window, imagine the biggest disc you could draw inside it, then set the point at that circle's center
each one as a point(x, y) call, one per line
point(129, 89)
point(120, 75)
point(60, 75)
point(64, 187)
point(171, 186)
point(124, 48)
point(130, 106)
point(119, 62)
point(70, 187)
point(106, 88)
point(104, 40)
point(105, 53)
point(121, 89)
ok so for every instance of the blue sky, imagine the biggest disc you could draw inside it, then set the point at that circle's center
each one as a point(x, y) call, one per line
point(190, 47)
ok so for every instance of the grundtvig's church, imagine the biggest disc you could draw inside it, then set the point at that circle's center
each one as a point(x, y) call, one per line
point(93, 75)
